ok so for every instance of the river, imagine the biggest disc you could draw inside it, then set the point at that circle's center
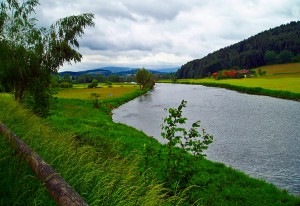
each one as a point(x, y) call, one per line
point(258, 135)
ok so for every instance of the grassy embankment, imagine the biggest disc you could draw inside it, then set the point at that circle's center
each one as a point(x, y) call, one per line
point(97, 173)
point(281, 81)
point(102, 160)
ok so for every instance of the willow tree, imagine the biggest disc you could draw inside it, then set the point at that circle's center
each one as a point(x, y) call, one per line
point(29, 54)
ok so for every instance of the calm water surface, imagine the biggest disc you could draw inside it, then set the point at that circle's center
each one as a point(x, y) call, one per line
point(256, 134)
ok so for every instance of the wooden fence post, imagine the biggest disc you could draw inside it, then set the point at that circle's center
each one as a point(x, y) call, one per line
point(59, 189)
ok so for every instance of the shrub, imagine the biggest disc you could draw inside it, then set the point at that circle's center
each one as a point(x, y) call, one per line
point(178, 167)
point(108, 83)
point(66, 85)
point(93, 84)
point(95, 99)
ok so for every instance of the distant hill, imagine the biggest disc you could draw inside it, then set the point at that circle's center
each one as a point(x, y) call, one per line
point(119, 71)
point(94, 71)
point(133, 71)
point(106, 71)
point(278, 45)
point(168, 70)
point(116, 69)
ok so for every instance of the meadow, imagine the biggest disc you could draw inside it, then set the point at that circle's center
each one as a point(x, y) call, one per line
point(281, 81)
point(80, 91)
point(104, 161)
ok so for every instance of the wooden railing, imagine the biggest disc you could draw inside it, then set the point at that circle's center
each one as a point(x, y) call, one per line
point(58, 188)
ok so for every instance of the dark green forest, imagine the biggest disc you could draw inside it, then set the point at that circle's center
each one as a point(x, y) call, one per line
point(274, 46)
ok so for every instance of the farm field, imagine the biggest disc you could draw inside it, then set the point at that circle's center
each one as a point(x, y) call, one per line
point(282, 77)
point(269, 82)
point(81, 92)
point(282, 70)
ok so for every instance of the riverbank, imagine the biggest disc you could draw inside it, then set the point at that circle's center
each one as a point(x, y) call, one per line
point(103, 161)
point(281, 81)
point(251, 89)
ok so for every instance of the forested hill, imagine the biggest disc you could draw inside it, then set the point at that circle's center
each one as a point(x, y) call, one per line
point(278, 45)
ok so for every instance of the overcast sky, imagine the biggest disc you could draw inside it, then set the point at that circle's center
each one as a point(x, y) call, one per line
point(165, 33)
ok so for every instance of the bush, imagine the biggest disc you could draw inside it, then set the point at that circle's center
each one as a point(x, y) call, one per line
point(93, 84)
point(108, 83)
point(95, 99)
point(178, 166)
point(66, 85)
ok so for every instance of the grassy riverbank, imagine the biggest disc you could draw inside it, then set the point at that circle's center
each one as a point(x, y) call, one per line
point(103, 161)
point(282, 81)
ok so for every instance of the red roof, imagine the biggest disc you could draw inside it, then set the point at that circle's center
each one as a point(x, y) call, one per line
point(245, 71)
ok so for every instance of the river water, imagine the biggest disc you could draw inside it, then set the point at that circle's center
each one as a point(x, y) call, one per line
point(258, 135)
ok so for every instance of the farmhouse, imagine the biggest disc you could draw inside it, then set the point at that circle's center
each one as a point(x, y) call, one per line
point(245, 72)
point(232, 74)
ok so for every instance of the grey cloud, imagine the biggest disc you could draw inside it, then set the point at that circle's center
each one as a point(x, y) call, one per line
point(159, 10)
point(155, 33)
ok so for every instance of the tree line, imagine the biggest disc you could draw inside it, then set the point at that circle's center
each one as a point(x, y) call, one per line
point(142, 77)
point(278, 45)
point(29, 55)
point(88, 78)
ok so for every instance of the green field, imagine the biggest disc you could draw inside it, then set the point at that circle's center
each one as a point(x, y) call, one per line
point(81, 92)
point(279, 79)
point(282, 70)
point(279, 84)
point(104, 161)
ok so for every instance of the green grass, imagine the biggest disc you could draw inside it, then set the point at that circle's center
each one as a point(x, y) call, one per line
point(281, 81)
point(100, 176)
point(80, 92)
point(276, 84)
point(282, 70)
point(103, 161)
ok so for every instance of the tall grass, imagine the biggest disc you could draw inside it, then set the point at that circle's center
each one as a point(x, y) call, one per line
point(103, 161)
point(99, 181)
point(213, 184)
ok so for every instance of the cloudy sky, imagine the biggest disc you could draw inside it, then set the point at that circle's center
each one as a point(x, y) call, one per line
point(163, 34)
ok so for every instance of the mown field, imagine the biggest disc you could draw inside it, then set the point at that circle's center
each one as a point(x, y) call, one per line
point(104, 161)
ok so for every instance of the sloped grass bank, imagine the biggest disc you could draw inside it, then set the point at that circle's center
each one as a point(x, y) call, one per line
point(249, 86)
point(213, 184)
point(281, 81)
point(98, 179)
point(252, 90)
point(104, 162)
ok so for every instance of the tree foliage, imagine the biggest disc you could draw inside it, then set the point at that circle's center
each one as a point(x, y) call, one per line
point(278, 45)
point(94, 84)
point(144, 78)
point(29, 55)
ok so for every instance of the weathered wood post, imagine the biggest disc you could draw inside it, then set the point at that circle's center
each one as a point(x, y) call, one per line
point(59, 189)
